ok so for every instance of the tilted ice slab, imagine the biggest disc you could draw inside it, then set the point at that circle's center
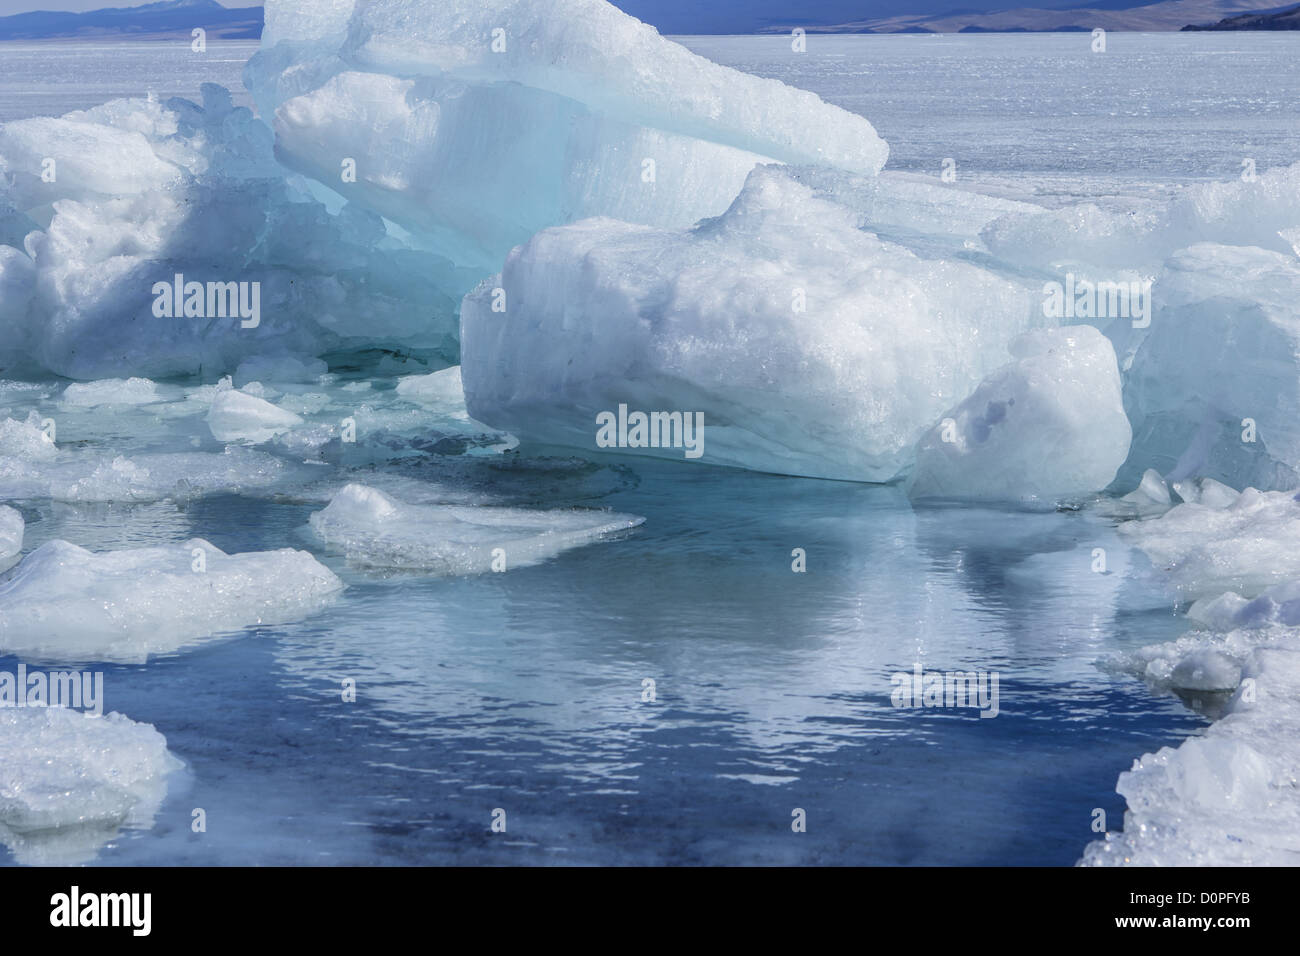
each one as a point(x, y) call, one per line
point(1050, 424)
point(66, 603)
point(1204, 550)
point(810, 346)
point(376, 530)
point(514, 115)
point(144, 192)
point(70, 780)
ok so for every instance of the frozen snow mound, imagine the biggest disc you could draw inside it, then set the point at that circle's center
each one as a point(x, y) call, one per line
point(1206, 549)
point(1213, 387)
point(70, 780)
point(11, 535)
point(66, 603)
point(810, 346)
point(515, 115)
point(376, 530)
point(1049, 425)
point(181, 248)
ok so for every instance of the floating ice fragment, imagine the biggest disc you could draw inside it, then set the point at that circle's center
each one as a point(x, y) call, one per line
point(238, 416)
point(376, 530)
point(63, 602)
point(70, 780)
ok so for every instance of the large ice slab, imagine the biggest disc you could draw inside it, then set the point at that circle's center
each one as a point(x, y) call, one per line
point(376, 530)
point(70, 780)
point(1051, 424)
point(513, 116)
point(810, 346)
point(66, 603)
point(144, 195)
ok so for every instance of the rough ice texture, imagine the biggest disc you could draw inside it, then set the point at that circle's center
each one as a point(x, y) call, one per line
point(1223, 344)
point(376, 530)
point(112, 391)
point(1227, 798)
point(145, 191)
point(810, 346)
point(1205, 550)
point(553, 125)
point(66, 603)
point(1223, 347)
point(69, 780)
point(11, 534)
point(1142, 236)
point(32, 466)
point(236, 416)
point(1049, 425)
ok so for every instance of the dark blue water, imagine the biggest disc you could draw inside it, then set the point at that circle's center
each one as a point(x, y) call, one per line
point(523, 691)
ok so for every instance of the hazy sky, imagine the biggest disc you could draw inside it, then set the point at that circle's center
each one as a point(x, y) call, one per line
point(686, 16)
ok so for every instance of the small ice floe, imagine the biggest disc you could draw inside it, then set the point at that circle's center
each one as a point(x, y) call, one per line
point(376, 530)
point(69, 781)
point(237, 416)
point(63, 602)
point(112, 391)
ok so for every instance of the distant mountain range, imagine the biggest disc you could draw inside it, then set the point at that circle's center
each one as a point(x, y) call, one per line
point(1285, 20)
point(154, 20)
point(1153, 17)
point(173, 18)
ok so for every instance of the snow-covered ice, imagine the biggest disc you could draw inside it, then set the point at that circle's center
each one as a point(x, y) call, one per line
point(376, 530)
point(63, 602)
